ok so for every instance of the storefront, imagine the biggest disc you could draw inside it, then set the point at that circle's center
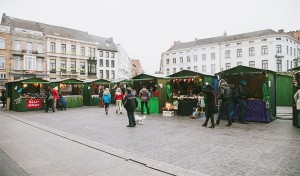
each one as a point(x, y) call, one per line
point(261, 89)
point(185, 87)
point(26, 94)
point(91, 91)
point(71, 89)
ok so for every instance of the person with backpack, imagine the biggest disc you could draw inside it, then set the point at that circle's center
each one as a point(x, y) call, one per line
point(49, 100)
point(144, 96)
point(130, 104)
point(210, 105)
point(242, 97)
point(224, 95)
point(106, 98)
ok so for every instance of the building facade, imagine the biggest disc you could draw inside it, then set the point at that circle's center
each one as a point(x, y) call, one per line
point(124, 66)
point(137, 67)
point(265, 49)
point(5, 45)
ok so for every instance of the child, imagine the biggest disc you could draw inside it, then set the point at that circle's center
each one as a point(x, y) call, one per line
point(63, 102)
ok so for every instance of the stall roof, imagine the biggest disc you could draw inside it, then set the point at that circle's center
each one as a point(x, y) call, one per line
point(99, 81)
point(31, 80)
point(68, 81)
point(186, 74)
point(296, 69)
point(144, 76)
point(241, 69)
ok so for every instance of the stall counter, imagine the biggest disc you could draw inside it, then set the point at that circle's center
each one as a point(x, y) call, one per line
point(186, 105)
point(74, 101)
point(152, 103)
point(24, 104)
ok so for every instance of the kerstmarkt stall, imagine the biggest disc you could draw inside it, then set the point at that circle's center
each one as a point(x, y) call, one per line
point(91, 91)
point(26, 94)
point(71, 89)
point(261, 89)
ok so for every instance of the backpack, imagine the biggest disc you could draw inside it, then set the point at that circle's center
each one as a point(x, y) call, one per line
point(235, 94)
point(227, 94)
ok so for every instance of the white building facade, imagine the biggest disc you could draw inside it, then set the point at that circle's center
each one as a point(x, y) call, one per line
point(124, 65)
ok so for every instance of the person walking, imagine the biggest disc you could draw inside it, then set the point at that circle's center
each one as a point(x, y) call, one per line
point(55, 96)
point(225, 96)
point(100, 92)
point(106, 98)
point(118, 97)
point(49, 100)
point(130, 104)
point(144, 96)
point(210, 105)
point(297, 101)
point(3, 98)
point(242, 97)
point(62, 102)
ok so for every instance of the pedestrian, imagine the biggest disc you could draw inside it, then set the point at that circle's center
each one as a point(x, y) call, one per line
point(242, 97)
point(55, 96)
point(106, 98)
point(297, 100)
point(3, 98)
point(144, 96)
point(119, 97)
point(130, 104)
point(210, 105)
point(100, 93)
point(224, 96)
point(49, 100)
point(63, 102)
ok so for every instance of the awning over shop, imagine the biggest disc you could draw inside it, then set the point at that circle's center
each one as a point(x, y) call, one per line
point(68, 81)
point(31, 81)
point(98, 81)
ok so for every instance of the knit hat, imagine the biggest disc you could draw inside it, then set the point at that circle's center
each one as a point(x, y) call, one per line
point(243, 82)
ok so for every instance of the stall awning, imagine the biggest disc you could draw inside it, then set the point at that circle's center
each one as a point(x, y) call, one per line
point(238, 70)
point(186, 74)
point(32, 81)
point(98, 81)
point(68, 81)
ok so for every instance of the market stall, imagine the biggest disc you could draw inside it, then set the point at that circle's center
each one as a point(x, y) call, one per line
point(91, 91)
point(261, 89)
point(71, 89)
point(156, 84)
point(296, 87)
point(284, 92)
point(185, 87)
point(26, 94)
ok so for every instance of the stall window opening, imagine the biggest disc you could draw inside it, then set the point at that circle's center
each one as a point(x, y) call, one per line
point(63, 66)
point(265, 65)
point(2, 62)
point(82, 51)
point(82, 68)
point(252, 64)
point(39, 64)
point(2, 43)
point(17, 62)
point(52, 66)
point(73, 66)
point(29, 63)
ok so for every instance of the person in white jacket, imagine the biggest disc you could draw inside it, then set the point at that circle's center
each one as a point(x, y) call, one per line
point(297, 100)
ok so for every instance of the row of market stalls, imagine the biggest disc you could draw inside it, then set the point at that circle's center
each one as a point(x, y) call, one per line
point(266, 90)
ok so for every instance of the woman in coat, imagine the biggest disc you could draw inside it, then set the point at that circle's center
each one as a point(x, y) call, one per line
point(210, 105)
point(106, 98)
point(297, 100)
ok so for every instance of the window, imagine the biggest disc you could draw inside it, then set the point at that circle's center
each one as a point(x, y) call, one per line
point(40, 48)
point(101, 73)
point(294, 52)
point(278, 49)
point(195, 58)
point(279, 65)
point(29, 63)
point(167, 61)
point(90, 52)
point(252, 64)
point(17, 45)
point(181, 68)
point(101, 63)
point(39, 64)
point(239, 63)
point(112, 74)
point(174, 60)
point(239, 53)
point(264, 64)
point(29, 46)
point(107, 74)
point(227, 54)
point(181, 59)
point(100, 53)
point(278, 38)
point(107, 54)
point(251, 51)
point(263, 40)
point(112, 64)
point(213, 68)
point(107, 63)
point(112, 55)
point(2, 62)
point(291, 51)
point(264, 50)
point(212, 56)
point(174, 70)
point(188, 59)
point(52, 65)
point(63, 48)
point(188, 68)
point(63, 65)
point(203, 57)
point(228, 66)
point(195, 68)
point(93, 52)
point(287, 49)
point(168, 71)
point(73, 49)
point(73, 66)
point(82, 51)
point(203, 68)
point(2, 75)
point(287, 64)
point(2, 43)
point(52, 47)
point(82, 68)
point(17, 63)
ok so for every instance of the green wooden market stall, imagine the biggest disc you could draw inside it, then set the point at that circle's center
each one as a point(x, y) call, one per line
point(157, 82)
point(26, 94)
point(261, 89)
point(91, 91)
point(296, 87)
point(71, 89)
point(186, 86)
point(284, 92)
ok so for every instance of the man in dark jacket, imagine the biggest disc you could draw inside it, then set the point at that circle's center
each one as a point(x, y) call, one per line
point(130, 104)
point(210, 105)
point(144, 96)
point(225, 96)
point(242, 97)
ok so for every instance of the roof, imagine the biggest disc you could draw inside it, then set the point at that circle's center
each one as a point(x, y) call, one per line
point(19, 23)
point(31, 81)
point(241, 70)
point(183, 45)
point(67, 81)
point(104, 43)
point(144, 76)
point(186, 74)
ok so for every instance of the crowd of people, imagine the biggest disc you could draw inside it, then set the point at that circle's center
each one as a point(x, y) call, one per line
point(55, 100)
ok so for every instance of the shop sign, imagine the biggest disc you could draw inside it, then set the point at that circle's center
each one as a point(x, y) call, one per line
point(33, 103)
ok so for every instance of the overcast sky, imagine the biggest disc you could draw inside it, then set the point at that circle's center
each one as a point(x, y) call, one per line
point(146, 28)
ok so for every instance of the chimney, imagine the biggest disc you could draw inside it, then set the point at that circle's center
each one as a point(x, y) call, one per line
point(4, 14)
point(280, 31)
point(224, 34)
point(196, 39)
point(175, 42)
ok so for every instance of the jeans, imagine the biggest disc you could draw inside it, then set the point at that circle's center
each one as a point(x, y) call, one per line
point(147, 107)
point(131, 118)
point(243, 106)
point(224, 107)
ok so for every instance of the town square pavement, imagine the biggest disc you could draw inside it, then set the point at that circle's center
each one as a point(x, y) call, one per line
point(85, 141)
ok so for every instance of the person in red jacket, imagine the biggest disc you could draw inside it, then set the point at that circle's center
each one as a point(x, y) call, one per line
point(55, 96)
point(119, 97)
